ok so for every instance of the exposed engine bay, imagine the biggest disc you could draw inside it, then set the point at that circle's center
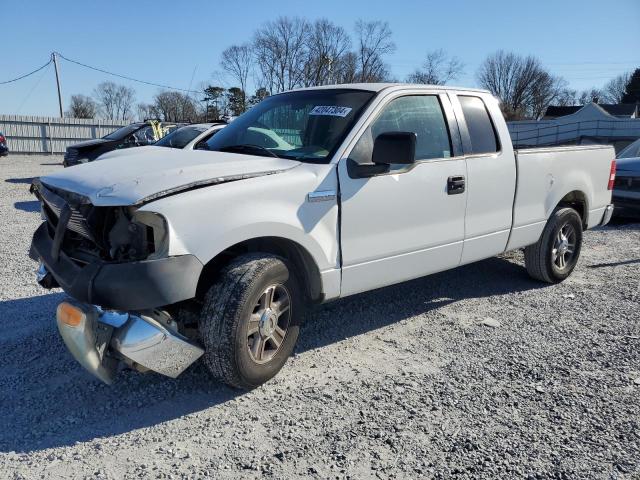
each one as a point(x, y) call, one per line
point(112, 234)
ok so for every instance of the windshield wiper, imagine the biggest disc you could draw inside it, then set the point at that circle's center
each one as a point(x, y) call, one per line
point(244, 148)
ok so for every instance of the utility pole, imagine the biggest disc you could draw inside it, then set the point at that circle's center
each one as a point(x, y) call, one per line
point(54, 57)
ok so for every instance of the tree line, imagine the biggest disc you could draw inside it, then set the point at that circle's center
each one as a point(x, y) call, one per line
point(289, 53)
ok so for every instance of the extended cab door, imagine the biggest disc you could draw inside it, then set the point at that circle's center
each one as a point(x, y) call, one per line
point(407, 222)
point(491, 175)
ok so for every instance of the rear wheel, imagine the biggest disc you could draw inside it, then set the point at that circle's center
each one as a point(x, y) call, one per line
point(554, 256)
point(250, 320)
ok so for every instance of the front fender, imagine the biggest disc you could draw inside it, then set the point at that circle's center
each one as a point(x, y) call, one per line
point(207, 221)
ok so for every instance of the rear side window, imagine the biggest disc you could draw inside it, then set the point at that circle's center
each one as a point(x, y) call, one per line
point(483, 135)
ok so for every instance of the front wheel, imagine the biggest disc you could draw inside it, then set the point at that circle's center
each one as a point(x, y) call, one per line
point(250, 320)
point(554, 256)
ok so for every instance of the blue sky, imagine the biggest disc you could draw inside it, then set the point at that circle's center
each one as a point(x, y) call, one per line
point(587, 42)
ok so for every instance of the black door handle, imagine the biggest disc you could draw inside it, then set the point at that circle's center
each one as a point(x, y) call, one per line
point(455, 185)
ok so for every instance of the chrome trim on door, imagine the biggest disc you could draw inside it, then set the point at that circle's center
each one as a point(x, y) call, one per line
point(321, 196)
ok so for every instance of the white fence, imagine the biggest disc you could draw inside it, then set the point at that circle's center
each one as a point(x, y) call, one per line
point(555, 133)
point(50, 134)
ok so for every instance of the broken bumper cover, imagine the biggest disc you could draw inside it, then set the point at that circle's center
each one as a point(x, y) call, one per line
point(127, 286)
point(99, 339)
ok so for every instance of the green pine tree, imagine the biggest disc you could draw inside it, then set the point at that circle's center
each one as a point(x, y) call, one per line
point(632, 90)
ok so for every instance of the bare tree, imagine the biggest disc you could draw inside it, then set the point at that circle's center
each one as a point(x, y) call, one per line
point(327, 45)
point(145, 111)
point(373, 43)
point(615, 89)
point(265, 73)
point(82, 106)
point(347, 69)
point(566, 97)
point(115, 101)
point(593, 95)
point(174, 107)
point(545, 90)
point(612, 92)
point(437, 69)
point(525, 88)
point(280, 49)
point(237, 61)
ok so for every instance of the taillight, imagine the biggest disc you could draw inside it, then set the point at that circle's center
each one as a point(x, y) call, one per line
point(612, 175)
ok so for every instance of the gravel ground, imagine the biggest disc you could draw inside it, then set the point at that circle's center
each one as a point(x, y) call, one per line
point(478, 372)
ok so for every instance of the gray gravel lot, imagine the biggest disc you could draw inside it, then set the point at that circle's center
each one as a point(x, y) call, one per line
point(478, 372)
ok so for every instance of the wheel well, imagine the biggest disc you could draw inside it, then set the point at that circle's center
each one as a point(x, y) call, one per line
point(296, 255)
point(578, 201)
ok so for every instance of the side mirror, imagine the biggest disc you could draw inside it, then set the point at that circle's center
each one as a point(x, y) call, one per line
point(394, 147)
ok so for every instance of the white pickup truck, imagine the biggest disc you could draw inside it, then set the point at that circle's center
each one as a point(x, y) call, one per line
point(311, 195)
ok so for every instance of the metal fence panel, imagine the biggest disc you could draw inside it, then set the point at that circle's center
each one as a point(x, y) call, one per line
point(28, 134)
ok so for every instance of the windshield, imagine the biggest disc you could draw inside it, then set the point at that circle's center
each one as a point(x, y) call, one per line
point(123, 132)
point(632, 151)
point(306, 125)
point(180, 137)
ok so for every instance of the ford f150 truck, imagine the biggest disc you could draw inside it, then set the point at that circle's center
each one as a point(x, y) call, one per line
point(311, 195)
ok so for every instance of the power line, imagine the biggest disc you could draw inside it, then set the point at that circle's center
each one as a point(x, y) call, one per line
point(26, 75)
point(631, 62)
point(32, 90)
point(124, 76)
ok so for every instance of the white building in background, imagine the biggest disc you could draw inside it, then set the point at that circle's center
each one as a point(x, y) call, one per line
point(585, 125)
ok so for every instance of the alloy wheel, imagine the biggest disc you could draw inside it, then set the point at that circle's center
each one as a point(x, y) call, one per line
point(268, 324)
point(564, 246)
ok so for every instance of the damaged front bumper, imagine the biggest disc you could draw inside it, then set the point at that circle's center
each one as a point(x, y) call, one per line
point(135, 285)
point(100, 339)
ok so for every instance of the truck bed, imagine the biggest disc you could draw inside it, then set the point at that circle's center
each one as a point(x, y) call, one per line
point(549, 173)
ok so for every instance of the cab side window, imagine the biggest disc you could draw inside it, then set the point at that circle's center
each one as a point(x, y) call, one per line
point(483, 135)
point(420, 114)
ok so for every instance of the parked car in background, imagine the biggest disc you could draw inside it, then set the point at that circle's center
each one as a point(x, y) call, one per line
point(216, 253)
point(4, 150)
point(626, 190)
point(135, 135)
point(189, 137)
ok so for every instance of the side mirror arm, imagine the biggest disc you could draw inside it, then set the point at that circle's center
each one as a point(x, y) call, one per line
point(366, 170)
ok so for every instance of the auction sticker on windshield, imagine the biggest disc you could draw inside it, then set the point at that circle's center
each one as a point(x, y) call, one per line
point(332, 111)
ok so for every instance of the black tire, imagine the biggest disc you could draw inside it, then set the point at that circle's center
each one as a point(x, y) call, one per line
point(539, 257)
point(228, 307)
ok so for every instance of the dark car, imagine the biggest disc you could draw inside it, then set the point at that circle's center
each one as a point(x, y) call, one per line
point(134, 135)
point(626, 189)
point(4, 150)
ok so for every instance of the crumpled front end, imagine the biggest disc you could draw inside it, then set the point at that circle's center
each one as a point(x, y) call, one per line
point(115, 257)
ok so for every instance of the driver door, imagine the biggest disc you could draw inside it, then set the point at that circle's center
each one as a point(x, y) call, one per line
point(408, 222)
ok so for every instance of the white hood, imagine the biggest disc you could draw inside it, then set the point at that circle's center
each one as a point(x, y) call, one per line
point(137, 179)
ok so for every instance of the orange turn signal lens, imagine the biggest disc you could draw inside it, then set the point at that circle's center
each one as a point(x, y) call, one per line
point(69, 315)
